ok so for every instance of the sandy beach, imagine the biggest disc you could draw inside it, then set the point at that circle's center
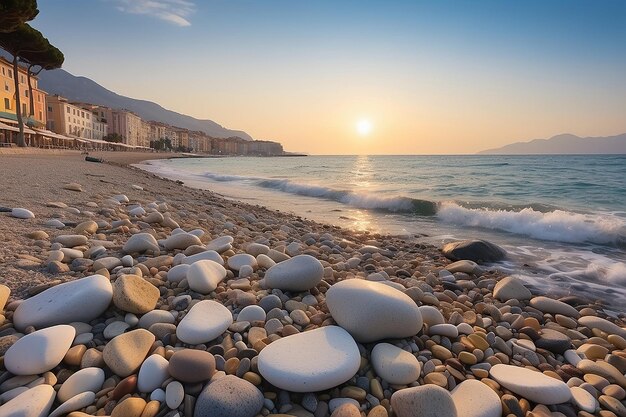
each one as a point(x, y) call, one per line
point(154, 299)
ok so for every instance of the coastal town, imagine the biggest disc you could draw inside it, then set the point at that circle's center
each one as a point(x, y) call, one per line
point(55, 122)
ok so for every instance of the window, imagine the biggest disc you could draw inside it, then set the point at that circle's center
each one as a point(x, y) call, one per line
point(74, 112)
point(50, 109)
point(7, 104)
point(6, 86)
point(10, 74)
point(82, 114)
point(22, 79)
point(23, 108)
point(40, 115)
point(26, 93)
point(39, 98)
point(3, 71)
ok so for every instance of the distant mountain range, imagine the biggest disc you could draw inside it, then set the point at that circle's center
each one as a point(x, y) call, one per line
point(564, 144)
point(83, 89)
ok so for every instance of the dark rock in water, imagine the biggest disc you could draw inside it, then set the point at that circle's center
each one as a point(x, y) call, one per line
point(473, 250)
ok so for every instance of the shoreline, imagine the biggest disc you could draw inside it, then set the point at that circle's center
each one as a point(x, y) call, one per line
point(284, 279)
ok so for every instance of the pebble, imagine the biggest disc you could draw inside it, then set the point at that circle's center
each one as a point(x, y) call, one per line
point(204, 276)
point(532, 385)
point(511, 288)
point(77, 402)
point(394, 365)
point(35, 402)
point(602, 324)
point(134, 294)
point(236, 262)
point(423, 401)
point(317, 360)
point(65, 303)
point(252, 313)
point(125, 353)
point(152, 373)
point(130, 407)
point(204, 322)
point(549, 305)
point(229, 396)
point(472, 398)
point(583, 399)
point(87, 379)
point(181, 241)
point(192, 366)
point(22, 213)
point(141, 243)
point(174, 394)
point(372, 311)
point(39, 351)
point(299, 273)
point(221, 244)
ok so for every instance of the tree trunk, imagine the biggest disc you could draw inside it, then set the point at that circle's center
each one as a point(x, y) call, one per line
point(18, 104)
point(30, 93)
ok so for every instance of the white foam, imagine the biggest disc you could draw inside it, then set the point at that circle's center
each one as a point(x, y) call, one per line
point(557, 225)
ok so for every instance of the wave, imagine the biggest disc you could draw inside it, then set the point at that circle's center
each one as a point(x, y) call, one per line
point(556, 225)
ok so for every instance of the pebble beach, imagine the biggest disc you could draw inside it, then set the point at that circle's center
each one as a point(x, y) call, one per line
point(127, 295)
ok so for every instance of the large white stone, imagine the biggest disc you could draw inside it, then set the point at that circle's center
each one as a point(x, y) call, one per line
point(35, 402)
point(80, 300)
point(472, 398)
point(236, 262)
point(511, 288)
point(177, 273)
point(40, 351)
point(373, 311)
point(153, 373)
point(181, 241)
point(140, 243)
point(87, 379)
point(221, 244)
point(205, 276)
point(299, 273)
point(209, 255)
point(204, 322)
point(431, 315)
point(583, 399)
point(252, 313)
point(531, 385)
point(22, 213)
point(77, 402)
point(311, 361)
point(424, 401)
point(550, 305)
point(594, 322)
point(395, 365)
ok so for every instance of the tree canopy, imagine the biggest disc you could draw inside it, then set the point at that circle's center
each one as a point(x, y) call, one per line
point(13, 13)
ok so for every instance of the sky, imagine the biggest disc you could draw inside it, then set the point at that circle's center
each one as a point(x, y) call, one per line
point(360, 77)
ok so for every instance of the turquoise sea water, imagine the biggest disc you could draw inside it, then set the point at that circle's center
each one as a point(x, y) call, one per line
point(562, 218)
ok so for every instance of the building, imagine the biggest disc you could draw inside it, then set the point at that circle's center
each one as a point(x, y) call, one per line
point(126, 124)
point(263, 148)
point(35, 118)
point(74, 119)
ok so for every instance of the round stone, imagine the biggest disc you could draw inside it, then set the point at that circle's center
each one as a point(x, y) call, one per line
point(174, 394)
point(153, 373)
point(177, 273)
point(204, 322)
point(511, 288)
point(40, 351)
point(22, 213)
point(252, 313)
point(125, 353)
point(472, 398)
point(192, 366)
point(583, 399)
point(299, 273)
point(221, 244)
point(423, 401)
point(209, 255)
point(181, 241)
point(310, 361)
point(431, 315)
point(395, 365)
point(236, 262)
point(372, 311)
point(65, 303)
point(130, 407)
point(549, 305)
point(531, 385)
point(229, 396)
point(204, 276)
point(140, 243)
point(87, 379)
point(134, 294)
point(34, 402)
point(594, 322)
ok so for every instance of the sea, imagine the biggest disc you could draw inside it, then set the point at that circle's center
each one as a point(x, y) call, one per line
point(561, 218)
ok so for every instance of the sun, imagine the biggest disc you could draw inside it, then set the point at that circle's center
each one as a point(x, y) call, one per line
point(363, 127)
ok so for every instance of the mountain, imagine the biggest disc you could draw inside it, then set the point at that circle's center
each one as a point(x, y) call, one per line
point(564, 144)
point(85, 90)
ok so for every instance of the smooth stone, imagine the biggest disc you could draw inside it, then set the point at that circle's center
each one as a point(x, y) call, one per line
point(156, 316)
point(553, 341)
point(174, 394)
point(236, 262)
point(153, 373)
point(140, 243)
point(531, 385)
point(474, 250)
point(39, 351)
point(73, 186)
point(310, 361)
point(465, 266)
point(583, 399)
point(204, 276)
point(256, 249)
point(472, 398)
point(87, 379)
point(65, 303)
point(252, 313)
point(35, 402)
point(204, 322)
point(69, 241)
point(178, 273)
point(594, 322)
point(181, 241)
point(192, 366)
point(221, 244)
point(130, 407)
point(229, 396)
point(395, 365)
point(602, 369)
point(134, 294)
point(372, 311)
point(4, 295)
point(346, 410)
point(114, 329)
point(511, 288)
point(55, 223)
point(209, 255)
point(550, 305)
point(299, 273)
point(431, 315)
point(88, 226)
point(447, 330)
point(108, 262)
point(125, 353)
point(22, 213)
point(423, 401)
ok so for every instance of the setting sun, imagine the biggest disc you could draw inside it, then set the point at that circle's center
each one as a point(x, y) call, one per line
point(363, 127)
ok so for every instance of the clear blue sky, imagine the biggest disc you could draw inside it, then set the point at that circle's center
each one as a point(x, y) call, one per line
point(430, 76)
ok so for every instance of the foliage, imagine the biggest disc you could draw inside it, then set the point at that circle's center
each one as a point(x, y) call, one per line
point(114, 137)
point(161, 144)
point(14, 13)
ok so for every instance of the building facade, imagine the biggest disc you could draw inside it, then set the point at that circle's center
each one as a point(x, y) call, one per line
point(35, 118)
point(126, 124)
point(74, 119)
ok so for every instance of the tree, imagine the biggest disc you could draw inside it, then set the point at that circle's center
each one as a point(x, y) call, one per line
point(114, 137)
point(48, 59)
point(14, 13)
point(24, 40)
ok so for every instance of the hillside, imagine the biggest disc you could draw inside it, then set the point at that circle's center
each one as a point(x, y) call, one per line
point(85, 90)
point(564, 144)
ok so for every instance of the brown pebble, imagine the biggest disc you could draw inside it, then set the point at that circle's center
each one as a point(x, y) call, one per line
point(75, 355)
point(231, 365)
point(436, 378)
point(151, 409)
point(130, 407)
point(378, 411)
point(126, 386)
